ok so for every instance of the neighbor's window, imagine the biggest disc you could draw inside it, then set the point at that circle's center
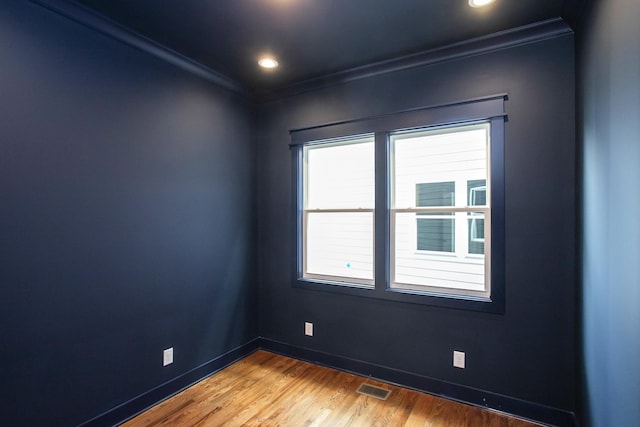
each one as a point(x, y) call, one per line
point(435, 231)
point(338, 220)
point(439, 237)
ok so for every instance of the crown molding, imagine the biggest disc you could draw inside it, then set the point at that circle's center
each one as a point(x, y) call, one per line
point(531, 33)
point(97, 22)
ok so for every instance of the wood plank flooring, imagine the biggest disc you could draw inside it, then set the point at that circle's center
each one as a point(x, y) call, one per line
point(266, 389)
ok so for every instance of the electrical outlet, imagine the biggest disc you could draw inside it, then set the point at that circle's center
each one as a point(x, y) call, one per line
point(308, 329)
point(458, 359)
point(167, 356)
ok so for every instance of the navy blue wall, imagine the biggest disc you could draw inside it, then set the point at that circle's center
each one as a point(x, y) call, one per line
point(529, 351)
point(126, 225)
point(610, 129)
point(125, 220)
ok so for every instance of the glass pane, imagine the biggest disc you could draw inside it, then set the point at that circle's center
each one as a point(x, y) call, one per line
point(476, 233)
point(476, 196)
point(436, 234)
point(340, 244)
point(477, 192)
point(417, 268)
point(434, 158)
point(340, 176)
point(439, 168)
point(436, 194)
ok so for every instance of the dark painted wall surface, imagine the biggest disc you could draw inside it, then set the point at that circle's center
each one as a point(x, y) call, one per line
point(610, 128)
point(529, 351)
point(125, 228)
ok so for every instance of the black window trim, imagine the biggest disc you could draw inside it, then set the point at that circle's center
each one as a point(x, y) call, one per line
point(485, 109)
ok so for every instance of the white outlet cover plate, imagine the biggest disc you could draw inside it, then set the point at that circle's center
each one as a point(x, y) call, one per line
point(458, 359)
point(167, 357)
point(308, 329)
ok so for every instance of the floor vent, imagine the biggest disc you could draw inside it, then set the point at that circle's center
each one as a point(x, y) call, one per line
point(373, 391)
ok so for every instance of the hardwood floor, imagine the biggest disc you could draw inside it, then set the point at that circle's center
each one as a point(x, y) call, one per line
point(266, 389)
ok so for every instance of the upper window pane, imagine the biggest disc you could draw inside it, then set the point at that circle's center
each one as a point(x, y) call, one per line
point(340, 175)
point(436, 157)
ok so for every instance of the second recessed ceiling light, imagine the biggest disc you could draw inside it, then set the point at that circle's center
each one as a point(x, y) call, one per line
point(267, 62)
point(479, 3)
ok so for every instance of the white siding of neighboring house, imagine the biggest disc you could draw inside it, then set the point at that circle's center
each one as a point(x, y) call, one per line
point(459, 157)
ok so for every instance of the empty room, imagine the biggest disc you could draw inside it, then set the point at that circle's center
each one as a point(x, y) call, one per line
point(320, 212)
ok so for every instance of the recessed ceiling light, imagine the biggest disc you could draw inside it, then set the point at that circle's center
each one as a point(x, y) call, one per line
point(480, 3)
point(267, 62)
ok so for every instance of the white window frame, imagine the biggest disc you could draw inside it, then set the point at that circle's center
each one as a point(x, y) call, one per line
point(306, 211)
point(461, 216)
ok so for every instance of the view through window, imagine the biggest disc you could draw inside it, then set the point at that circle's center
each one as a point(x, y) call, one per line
point(439, 202)
point(338, 210)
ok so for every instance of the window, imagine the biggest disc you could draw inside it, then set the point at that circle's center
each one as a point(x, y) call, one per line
point(438, 206)
point(477, 191)
point(435, 231)
point(338, 211)
point(407, 206)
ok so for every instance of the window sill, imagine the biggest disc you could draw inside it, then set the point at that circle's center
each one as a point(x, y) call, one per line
point(491, 305)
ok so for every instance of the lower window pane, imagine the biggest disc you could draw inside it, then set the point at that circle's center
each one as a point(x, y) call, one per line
point(340, 244)
point(459, 267)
